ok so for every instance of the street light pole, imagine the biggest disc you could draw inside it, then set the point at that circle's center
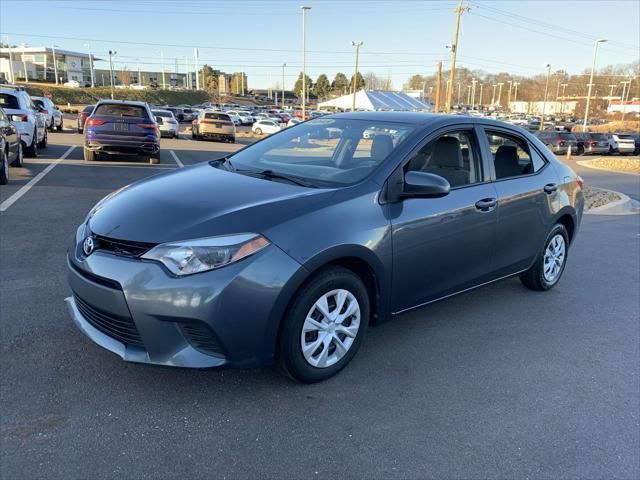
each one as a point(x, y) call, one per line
point(510, 82)
point(481, 86)
point(111, 54)
point(24, 65)
point(55, 64)
point(611, 87)
point(473, 93)
point(93, 78)
point(304, 61)
point(164, 84)
point(563, 85)
point(493, 97)
point(546, 90)
point(355, 76)
point(515, 91)
point(593, 67)
point(623, 105)
point(13, 78)
point(282, 99)
point(500, 93)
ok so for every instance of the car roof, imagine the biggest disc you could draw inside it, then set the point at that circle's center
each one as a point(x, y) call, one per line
point(123, 102)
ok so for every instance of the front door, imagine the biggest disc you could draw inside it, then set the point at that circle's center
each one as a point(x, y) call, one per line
point(443, 245)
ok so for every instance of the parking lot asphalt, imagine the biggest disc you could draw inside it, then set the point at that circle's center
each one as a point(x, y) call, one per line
point(499, 382)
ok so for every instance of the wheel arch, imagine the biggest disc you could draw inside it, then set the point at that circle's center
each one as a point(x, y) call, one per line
point(356, 258)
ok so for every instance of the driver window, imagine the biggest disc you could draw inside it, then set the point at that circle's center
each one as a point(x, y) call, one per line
point(452, 156)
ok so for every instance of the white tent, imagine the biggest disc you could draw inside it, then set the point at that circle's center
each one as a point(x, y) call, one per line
point(376, 100)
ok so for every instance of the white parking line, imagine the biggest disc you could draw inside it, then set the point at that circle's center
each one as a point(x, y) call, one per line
point(25, 188)
point(175, 157)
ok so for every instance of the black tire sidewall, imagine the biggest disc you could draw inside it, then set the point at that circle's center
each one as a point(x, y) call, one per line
point(4, 168)
point(290, 350)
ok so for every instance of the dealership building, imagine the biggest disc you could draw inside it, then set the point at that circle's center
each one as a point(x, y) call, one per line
point(37, 63)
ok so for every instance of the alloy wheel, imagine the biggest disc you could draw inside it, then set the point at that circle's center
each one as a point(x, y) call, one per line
point(330, 328)
point(554, 257)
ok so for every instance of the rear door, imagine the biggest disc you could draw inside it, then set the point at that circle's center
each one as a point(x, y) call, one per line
point(526, 185)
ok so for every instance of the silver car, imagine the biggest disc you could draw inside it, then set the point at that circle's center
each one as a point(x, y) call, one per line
point(169, 126)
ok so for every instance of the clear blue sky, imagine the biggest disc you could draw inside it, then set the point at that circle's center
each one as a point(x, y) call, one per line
point(400, 38)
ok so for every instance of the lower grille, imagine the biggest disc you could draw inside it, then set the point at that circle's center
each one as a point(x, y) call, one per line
point(201, 338)
point(118, 327)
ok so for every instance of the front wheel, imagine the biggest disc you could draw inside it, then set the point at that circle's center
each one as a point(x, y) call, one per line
point(59, 127)
point(549, 266)
point(324, 325)
point(32, 150)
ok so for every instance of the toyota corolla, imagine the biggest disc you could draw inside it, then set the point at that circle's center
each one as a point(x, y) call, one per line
point(286, 251)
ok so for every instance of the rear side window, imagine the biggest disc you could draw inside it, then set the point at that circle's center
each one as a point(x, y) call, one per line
point(9, 101)
point(115, 110)
point(88, 109)
point(217, 116)
point(512, 156)
point(39, 103)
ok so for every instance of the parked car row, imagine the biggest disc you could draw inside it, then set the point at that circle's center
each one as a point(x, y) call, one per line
point(582, 143)
point(23, 122)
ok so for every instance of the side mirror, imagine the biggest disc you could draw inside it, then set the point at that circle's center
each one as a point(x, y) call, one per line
point(424, 185)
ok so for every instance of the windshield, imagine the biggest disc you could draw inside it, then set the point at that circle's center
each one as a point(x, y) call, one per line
point(326, 151)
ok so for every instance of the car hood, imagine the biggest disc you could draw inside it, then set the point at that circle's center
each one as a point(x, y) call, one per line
point(201, 201)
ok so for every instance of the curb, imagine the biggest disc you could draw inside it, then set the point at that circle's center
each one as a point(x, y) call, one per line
point(624, 206)
point(586, 164)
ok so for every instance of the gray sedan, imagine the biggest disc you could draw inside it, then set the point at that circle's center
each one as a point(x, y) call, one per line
point(289, 249)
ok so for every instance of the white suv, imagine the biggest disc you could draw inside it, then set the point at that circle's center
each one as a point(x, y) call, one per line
point(23, 114)
point(49, 109)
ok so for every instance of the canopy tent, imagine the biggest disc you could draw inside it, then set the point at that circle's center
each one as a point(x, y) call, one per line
point(376, 100)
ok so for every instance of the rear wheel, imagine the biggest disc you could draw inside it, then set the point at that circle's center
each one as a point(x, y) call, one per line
point(43, 143)
point(232, 139)
point(154, 159)
point(90, 155)
point(19, 160)
point(32, 150)
point(549, 266)
point(4, 167)
point(324, 326)
point(258, 131)
point(59, 126)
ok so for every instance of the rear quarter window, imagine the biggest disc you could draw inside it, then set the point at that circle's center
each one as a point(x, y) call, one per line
point(9, 101)
point(114, 110)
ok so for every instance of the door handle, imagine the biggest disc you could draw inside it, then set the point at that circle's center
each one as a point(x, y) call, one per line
point(550, 188)
point(486, 204)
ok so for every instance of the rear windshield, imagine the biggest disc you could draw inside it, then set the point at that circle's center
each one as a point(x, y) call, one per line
point(116, 110)
point(625, 137)
point(163, 114)
point(598, 136)
point(217, 116)
point(567, 135)
point(9, 101)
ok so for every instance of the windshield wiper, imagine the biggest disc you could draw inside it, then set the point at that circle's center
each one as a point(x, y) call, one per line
point(272, 174)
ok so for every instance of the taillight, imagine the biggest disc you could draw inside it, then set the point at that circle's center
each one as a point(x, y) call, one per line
point(45, 112)
point(580, 181)
point(561, 142)
point(92, 122)
point(20, 118)
point(83, 115)
point(591, 142)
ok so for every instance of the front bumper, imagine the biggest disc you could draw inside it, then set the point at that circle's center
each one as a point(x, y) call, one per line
point(138, 311)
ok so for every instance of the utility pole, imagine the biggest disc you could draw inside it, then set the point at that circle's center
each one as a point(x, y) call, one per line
point(500, 93)
point(468, 94)
point(459, 95)
point(481, 85)
point(111, 54)
point(546, 90)
point(164, 84)
point(563, 85)
point(304, 61)
point(454, 52)
point(242, 81)
point(473, 93)
point(510, 82)
point(593, 67)
point(355, 75)
point(93, 76)
point(195, 60)
point(623, 104)
point(493, 97)
point(282, 100)
point(55, 65)
point(438, 87)
point(139, 72)
point(611, 87)
point(24, 65)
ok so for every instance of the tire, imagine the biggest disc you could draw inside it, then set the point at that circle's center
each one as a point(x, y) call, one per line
point(90, 155)
point(193, 134)
point(154, 159)
point(4, 167)
point(80, 130)
point(32, 150)
point(43, 143)
point(59, 127)
point(19, 160)
point(330, 281)
point(258, 131)
point(535, 278)
point(232, 139)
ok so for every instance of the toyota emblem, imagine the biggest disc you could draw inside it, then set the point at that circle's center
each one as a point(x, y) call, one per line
point(88, 245)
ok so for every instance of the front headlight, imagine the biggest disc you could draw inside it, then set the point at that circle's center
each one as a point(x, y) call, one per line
point(203, 254)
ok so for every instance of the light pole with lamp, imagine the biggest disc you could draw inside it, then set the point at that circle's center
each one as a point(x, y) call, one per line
point(593, 67)
point(55, 63)
point(304, 61)
point(355, 75)
point(111, 54)
point(93, 78)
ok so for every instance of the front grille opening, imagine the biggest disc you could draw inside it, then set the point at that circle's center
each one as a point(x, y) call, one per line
point(122, 247)
point(202, 338)
point(118, 327)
